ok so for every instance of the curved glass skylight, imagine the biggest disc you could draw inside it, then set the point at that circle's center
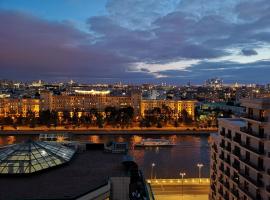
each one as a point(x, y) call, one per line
point(33, 156)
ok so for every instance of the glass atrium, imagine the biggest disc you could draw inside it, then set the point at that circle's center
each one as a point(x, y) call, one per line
point(31, 156)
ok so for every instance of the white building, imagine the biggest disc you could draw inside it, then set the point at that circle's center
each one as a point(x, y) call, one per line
point(240, 155)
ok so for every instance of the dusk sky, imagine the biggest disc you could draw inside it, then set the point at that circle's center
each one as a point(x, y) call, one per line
point(135, 41)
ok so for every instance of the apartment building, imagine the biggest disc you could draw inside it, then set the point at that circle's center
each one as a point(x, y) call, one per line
point(175, 105)
point(84, 101)
point(16, 107)
point(240, 155)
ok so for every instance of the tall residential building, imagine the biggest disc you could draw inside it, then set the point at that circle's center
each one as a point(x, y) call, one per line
point(240, 155)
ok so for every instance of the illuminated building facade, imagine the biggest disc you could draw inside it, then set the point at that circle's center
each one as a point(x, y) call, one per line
point(177, 106)
point(16, 107)
point(85, 101)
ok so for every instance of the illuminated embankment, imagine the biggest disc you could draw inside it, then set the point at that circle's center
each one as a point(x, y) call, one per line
point(185, 181)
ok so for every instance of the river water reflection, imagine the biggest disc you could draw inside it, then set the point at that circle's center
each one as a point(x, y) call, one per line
point(169, 161)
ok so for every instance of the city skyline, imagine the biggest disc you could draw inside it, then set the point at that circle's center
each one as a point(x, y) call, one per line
point(109, 41)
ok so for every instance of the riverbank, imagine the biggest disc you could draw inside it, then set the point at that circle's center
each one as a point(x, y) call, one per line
point(109, 131)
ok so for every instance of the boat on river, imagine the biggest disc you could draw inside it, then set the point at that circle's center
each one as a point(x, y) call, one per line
point(154, 142)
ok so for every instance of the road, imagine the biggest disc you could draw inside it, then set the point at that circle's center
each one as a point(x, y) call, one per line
point(192, 189)
point(174, 192)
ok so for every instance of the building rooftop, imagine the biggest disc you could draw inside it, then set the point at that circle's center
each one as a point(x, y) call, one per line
point(234, 121)
point(84, 173)
point(30, 156)
point(261, 103)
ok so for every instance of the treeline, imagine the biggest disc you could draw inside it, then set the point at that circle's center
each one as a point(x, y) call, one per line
point(164, 116)
point(111, 116)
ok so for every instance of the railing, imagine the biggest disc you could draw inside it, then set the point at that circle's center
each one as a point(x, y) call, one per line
point(256, 118)
point(236, 153)
point(236, 166)
point(228, 148)
point(251, 180)
point(257, 151)
point(185, 181)
point(222, 133)
point(222, 145)
point(227, 185)
point(235, 179)
point(221, 168)
point(235, 193)
point(236, 139)
point(214, 147)
point(252, 133)
point(248, 162)
point(245, 190)
point(228, 161)
point(227, 173)
point(229, 136)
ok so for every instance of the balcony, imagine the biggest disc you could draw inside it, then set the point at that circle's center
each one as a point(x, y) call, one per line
point(254, 166)
point(246, 191)
point(220, 191)
point(221, 156)
point(257, 183)
point(228, 135)
point(228, 148)
point(228, 161)
point(221, 168)
point(236, 166)
point(214, 147)
point(235, 179)
point(213, 187)
point(253, 149)
point(256, 118)
point(237, 139)
point(227, 172)
point(220, 180)
point(222, 133)
point(222, 145)
point(249, 131)
point(235, 193)
point(236, 153)
point(214, 158)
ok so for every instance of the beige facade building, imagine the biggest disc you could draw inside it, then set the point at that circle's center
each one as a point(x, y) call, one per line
point(175, 105)
point(16, 107)
point(86, 101)
point(240, 155)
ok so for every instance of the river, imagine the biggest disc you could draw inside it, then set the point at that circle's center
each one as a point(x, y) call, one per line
point(169, 161)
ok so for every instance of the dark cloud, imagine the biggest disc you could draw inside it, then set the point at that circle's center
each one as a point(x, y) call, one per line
point(249, 52)
point(31, 47)
point(148, 32)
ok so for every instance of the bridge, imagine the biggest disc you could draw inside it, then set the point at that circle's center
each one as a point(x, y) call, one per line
point(180, 189)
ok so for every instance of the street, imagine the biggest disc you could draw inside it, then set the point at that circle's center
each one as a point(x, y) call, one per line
point(174, 192)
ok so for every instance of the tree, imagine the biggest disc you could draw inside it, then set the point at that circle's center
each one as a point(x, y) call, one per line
point(185, 117)
point(44, 117)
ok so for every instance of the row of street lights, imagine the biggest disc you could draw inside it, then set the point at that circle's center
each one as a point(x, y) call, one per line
point(182, 174)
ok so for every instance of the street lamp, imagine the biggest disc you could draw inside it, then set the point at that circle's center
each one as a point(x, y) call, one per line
point(182, 174)
point(200, 165)
point(152, 167)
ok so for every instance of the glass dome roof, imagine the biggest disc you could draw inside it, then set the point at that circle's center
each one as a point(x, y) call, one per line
point(31, 156)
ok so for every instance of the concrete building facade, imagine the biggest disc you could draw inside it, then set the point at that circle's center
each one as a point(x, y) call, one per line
point(240, 155)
